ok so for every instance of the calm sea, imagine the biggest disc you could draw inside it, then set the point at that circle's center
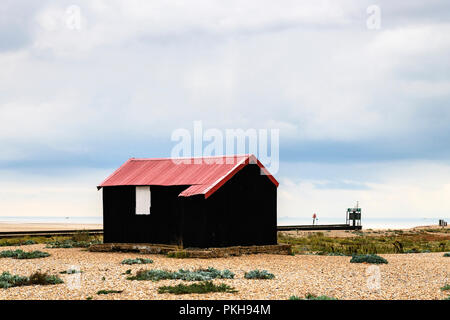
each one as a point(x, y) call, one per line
point(40, 219)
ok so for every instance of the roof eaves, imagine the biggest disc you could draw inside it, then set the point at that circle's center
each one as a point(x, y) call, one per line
point(114, 173)
point(268, 174)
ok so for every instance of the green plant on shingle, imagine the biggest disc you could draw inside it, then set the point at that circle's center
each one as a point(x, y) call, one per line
point(196, 275)
point(154, 275)
point(8, 280)
point(204, 274)
point(9, 253)
point(368, 258)
point(32, 255)
point(310, 296)
point(70, 243)
point(20, 254)
point(446, 287)
point(413, 250)
point(60, 244)
point(137, 261)
point(43, 278)
point(200, 288)
point(71, 271)
point(259, 274)
point(108, 291)
point(447, 254)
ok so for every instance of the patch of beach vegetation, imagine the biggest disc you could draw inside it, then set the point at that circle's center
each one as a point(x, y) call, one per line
point(200, 288)
point(368, 258)
point(69, 243)
point(446, 287)
point(20, 254)
point(108, 291)
point(137, 261)
point(196, 275)
point(81, 239)
point(8, 280)
point(310, 296)
point(16, 242)
point(259, 274)
point(438, 230)
point(71, 271)
point(391, 242)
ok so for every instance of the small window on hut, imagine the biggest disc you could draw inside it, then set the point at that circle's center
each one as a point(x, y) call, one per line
point(143, 200)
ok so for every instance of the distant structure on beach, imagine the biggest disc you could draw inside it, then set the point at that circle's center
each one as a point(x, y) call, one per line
point(353, 217)
point(194, 202)
point(353, 222)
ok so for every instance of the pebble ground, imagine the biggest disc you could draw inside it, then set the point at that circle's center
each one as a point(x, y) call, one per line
point(407, 276)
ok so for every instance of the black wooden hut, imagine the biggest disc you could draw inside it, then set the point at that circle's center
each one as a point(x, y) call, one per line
point(192, 202)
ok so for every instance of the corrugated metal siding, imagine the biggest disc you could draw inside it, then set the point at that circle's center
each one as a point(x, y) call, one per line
point(204, 177)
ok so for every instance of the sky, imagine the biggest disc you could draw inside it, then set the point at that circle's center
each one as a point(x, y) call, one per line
point(362, 110)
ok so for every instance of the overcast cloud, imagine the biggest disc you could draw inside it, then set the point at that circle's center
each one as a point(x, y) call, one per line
point(363, 114)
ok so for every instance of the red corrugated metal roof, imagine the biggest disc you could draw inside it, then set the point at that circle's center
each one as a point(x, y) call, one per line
point(203, 175)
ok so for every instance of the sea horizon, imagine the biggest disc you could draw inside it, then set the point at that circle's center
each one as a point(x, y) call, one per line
point(52, 219)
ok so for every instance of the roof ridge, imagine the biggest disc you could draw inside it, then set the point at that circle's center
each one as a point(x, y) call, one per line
point(198, 157)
